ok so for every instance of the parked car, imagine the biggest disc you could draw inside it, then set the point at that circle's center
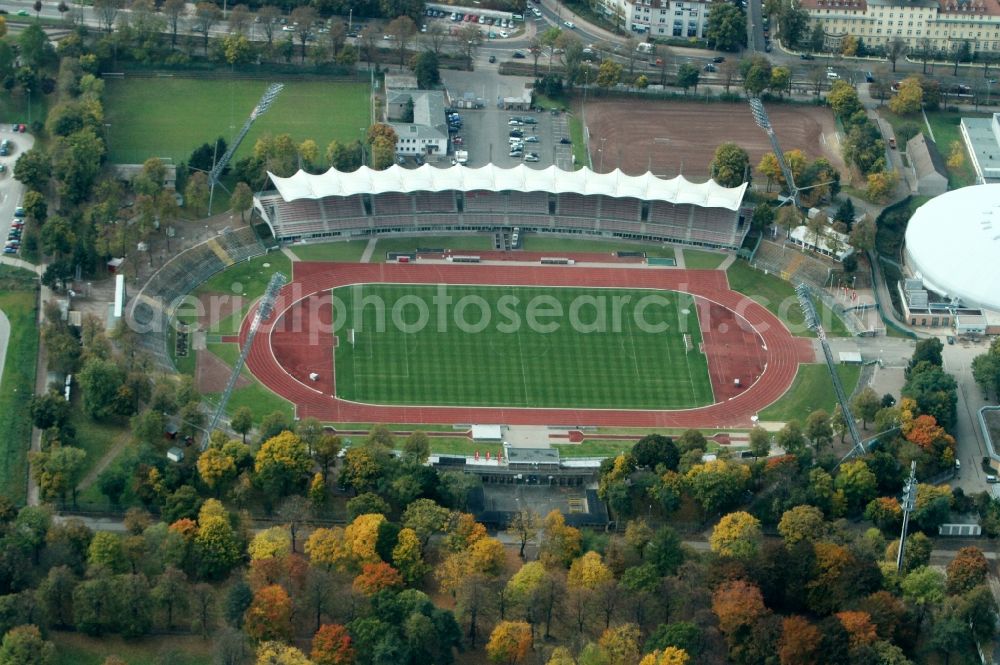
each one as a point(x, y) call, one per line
point(565, 141)
point(807, 56)
point(710, 67)
point(19, 212)
point(3, 168)
point(869, 77)
point(493, 58)
point(518, 55)
point(516, 133)
point(531, 157)
point(504, 34)
point(569, 24)
point(892, 142)
point(717, 59)
point(951, 340)
point(10, 250)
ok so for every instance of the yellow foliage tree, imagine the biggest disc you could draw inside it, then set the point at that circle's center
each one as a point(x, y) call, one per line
point(769, 166)
point(326, 547)
point(909, 97)
point(360, 537)
point(487, 556)
point(880, 185)
point(509, 642)
point(669, 656)
point(588, 572)
point(276, 653)
point(463, 531)
point(956, 158)
point(270, 543)
point(620, 644)
point(215, 467)
point(737, 536)
point(560, 543)
point(407, 556)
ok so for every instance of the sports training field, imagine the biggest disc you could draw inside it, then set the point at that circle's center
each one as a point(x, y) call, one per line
point(170, 117)
point(628, 366)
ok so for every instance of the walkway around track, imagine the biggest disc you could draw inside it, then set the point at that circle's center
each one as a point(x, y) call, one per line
point(309, 347)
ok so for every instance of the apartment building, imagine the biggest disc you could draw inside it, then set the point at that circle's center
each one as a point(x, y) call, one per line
point(942, 25)
point(660, 18)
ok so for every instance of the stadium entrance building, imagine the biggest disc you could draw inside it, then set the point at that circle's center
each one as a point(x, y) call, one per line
point(366, 202)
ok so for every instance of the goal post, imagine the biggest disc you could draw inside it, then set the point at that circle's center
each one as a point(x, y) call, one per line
point(350, 336)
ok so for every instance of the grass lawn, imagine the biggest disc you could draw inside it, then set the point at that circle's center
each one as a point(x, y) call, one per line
point(14, 108)
point(606, 448)
point(167, 117)
point(811, 390)
point(409, 244)
point(350, 251)
point(250, 275)
point(95, 437)
point(556, 243)
point(17, 301)
point(779, 297)
point(944, 124)
point(702, 260)
point(558, 367)
point(78, 649)
point(260, 400)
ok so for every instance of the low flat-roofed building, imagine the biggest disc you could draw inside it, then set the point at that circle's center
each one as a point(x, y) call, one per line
point(982, 140)
point(928, 166)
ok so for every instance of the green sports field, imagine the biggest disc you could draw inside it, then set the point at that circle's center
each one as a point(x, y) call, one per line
point(170, 117)
point(624, 366)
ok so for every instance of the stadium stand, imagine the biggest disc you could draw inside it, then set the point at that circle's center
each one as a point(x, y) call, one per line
point(153, 306)
point(714, 221)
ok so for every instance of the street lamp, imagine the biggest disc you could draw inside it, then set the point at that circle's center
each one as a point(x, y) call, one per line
point(601, 150)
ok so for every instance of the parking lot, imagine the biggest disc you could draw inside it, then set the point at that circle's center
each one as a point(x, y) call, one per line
point(485, 132)
point(492, 24)
point(11, 191)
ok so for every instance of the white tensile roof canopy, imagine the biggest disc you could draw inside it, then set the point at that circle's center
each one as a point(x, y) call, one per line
point(492, 178)
point(953, 243)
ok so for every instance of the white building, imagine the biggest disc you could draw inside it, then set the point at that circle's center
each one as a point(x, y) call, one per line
point(833, 243)
point(941, 25)
point(659, 18)
point(427, 133)
point(982, 140)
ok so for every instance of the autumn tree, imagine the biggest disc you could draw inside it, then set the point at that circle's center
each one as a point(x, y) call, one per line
point(717, 485)
point(620, 644)
point(276, 653)
point(588, 572)
point(860, 629)
point(407, 556)
point(274, 542)
point(802, 523)
point(281, 464)
point(737, 606)
point(865, 405)
point(216, 468)
point(509, 642)
point(737, 536)
point(800, 642)
point(332, 645)
point(968, 569)
point(667, 656)
point(269, 616)
point(375, 577)
point(560, 543)
point(908, 98)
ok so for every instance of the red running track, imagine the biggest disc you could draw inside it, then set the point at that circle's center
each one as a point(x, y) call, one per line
point(285, 348)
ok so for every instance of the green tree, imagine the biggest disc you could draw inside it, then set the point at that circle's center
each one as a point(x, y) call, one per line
point(196, 192)
point(857, 483)
point(100, 381)
point(76, 162)
point(58, 471)
point(731, 165)
point(818, 429)
point(791, 438)
point(727, 27)
point(33, 168)
point(23, 645)
point(760, 442)
point(756, 72)
point(688, 76)
point(241, 199)
point(426, 68)
point(417, 447)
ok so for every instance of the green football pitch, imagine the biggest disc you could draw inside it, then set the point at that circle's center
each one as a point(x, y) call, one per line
point(640, 357)
point(170, 117)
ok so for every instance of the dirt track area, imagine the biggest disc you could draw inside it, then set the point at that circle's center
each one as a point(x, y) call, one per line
point(212, 374)
point(672, 137)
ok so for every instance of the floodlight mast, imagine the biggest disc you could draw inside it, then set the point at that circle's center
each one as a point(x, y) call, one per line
point(908, 502)
point(764, 122)
point(264, 311)
point(263, 105)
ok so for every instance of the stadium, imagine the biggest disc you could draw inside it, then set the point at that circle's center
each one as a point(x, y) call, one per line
point(952, 245)
point(716, 360)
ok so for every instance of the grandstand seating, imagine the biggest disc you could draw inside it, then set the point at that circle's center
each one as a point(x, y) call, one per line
point(162, 293)
point(427, 202)
point(392, 203)
point(481, 201)
point(528, 202)
point(623, 209)
point(792, 262)
point(576, 205)
point(484, 210)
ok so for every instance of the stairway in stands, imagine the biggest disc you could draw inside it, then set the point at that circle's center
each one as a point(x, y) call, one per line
point(219, 251)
